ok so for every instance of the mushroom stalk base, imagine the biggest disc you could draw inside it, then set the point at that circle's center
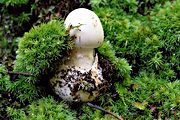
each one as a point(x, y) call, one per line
point(81, 59)
point(80, 78)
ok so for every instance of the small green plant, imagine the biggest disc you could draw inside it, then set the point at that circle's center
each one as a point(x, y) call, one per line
point(126, 5)
point(4, 79)
point(13, 2)
point(43, 109)
point(4, 95)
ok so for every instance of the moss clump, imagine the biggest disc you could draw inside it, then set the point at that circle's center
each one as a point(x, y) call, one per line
point(43, 109)
point(122, 67)
point(37, 54)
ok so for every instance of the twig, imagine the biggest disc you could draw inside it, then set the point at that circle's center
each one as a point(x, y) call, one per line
point(20, 73)
point(106, 111)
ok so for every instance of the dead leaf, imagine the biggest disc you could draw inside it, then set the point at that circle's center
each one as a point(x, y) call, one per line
point(140, 105)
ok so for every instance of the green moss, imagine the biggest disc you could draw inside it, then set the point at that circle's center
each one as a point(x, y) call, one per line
point(4, 95)
point(41, 46)
point(38, 52)
point(43, 109)
point(147, 42)
point(4, 79)
point(88, 113)
point(121, 65)
point(147, 96)
point(13, 2)
point(143, 7)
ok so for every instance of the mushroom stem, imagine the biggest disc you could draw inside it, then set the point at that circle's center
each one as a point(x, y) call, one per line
point(82, 58)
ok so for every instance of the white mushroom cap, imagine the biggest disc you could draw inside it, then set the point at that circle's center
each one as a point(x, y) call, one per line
point(86, 27)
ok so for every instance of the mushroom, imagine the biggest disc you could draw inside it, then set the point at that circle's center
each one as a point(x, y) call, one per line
point(80, 78)
point(86, 27)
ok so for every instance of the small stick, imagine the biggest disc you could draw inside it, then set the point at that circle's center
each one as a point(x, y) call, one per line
point(106, 111)
point(20, 73)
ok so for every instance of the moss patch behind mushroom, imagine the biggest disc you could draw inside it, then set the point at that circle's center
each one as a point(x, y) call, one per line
point(149, 43)
point(38, 49)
